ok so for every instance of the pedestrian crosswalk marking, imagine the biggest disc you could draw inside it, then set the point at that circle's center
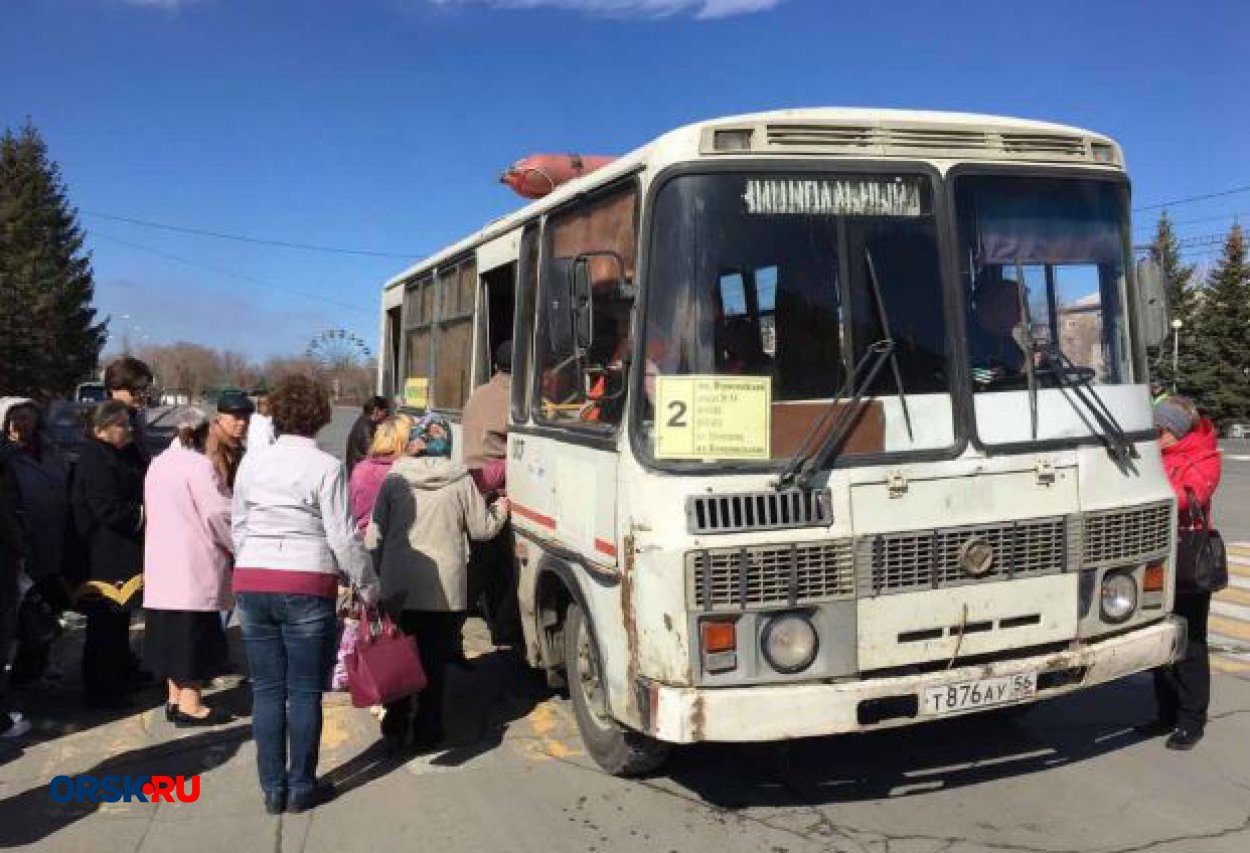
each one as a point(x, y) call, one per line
point(1229, 625)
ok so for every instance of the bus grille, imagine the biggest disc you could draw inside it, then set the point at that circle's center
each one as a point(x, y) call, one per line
point(739, 578)
point(757, 511)
point(930, 559)
point(1120, 536)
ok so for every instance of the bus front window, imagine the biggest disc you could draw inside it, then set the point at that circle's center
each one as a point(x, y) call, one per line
point(767, 276)
point(1042, 262)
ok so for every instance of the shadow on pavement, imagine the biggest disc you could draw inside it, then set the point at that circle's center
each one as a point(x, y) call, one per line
point(32, 816)
point(57, 709)
point(483, 698)
point(920, 759)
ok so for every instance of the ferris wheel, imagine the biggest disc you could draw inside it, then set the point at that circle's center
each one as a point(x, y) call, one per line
point(337, 348)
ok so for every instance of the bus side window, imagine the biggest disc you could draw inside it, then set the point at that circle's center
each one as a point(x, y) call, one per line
point(418, 324)
point(587, 388)
point(523, 325)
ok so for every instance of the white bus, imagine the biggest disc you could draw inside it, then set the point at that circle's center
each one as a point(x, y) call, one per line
point(822, 421)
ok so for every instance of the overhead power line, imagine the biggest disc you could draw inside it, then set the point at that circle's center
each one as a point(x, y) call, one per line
point(1223, 216)
point(243, 238)
point(1192, 198)
point(230, 273)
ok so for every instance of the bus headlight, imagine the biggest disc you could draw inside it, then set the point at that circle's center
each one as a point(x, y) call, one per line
point(790, 643)
point(1119, 596)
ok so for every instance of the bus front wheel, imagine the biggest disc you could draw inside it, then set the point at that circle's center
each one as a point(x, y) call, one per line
point(618, 750)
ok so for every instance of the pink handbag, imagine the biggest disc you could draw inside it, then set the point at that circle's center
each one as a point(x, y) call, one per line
point(385, 665)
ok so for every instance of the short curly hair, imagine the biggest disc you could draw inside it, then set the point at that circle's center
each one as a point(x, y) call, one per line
point(300, 405)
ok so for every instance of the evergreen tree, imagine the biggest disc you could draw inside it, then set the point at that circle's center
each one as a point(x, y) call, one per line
point(49, 337)
point(1165, 251)
point(1221, 361)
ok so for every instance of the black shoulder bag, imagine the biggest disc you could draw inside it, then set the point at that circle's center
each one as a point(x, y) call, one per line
point(1201, 562)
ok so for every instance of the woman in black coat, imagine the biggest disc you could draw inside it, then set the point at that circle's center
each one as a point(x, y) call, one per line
point(107, 501)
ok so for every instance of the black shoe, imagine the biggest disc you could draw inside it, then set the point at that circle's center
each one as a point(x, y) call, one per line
point(214, 717)
point(1184, 739)
point(275, 803)
point(323, 793)
point(1155, 728)
point(171, 712)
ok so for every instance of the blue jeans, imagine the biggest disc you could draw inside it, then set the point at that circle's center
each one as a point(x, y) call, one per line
point(291, 642)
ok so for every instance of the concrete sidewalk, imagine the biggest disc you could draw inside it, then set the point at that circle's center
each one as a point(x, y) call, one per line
point(228, 816)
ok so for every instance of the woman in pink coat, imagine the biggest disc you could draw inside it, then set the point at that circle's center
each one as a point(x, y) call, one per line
point(187, 562)
point(390, 442)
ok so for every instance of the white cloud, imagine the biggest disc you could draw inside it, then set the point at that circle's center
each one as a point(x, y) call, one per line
point(630, 8)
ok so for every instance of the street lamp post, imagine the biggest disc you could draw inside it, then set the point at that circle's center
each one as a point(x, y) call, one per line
point(1176, 348)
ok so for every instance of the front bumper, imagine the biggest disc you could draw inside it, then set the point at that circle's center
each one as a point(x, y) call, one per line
point(690, 714)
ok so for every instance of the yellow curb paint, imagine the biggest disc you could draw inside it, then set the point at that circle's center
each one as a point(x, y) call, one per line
point(1234, 595)
point(1229, 665)
point(1229, 628)
point(334, 729)
point(547, 722)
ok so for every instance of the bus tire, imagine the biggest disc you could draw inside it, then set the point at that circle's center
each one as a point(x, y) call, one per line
point(618, 750)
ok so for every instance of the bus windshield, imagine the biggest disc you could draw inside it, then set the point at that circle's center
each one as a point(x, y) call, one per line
point(1043, 262)
point(774, 277)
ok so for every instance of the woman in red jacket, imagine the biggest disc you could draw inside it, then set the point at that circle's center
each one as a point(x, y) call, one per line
point(1191, 458)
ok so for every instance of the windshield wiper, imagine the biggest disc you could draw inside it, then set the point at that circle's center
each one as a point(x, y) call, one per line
point(884, 320)
point(810, 458)
point(1079, 380)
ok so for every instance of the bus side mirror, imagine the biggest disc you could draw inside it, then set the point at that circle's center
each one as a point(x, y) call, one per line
point(559, 298)
point(583, 303)
point(1154, 313)
point(604, 271)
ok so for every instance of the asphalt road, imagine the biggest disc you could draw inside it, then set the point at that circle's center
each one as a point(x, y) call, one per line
point(1232, 499)
point(1070, 775)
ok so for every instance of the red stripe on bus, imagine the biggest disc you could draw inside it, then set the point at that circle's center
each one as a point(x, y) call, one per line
point(536, 517)
point(605, 547)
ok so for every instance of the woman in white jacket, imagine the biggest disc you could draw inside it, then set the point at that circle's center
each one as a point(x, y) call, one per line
point(427, 510)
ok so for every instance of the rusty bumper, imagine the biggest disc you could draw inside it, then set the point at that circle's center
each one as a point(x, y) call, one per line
point(690, 714)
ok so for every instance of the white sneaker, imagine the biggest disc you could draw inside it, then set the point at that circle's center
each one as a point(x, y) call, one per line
point(18, 728)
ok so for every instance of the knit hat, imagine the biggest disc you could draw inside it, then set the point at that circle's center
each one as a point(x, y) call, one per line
point(1173, 418)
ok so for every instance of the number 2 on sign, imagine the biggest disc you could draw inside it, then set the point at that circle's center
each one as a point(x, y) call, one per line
point(678, 408)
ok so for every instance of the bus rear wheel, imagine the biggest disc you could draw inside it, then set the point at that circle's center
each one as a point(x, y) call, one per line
point(618, 750)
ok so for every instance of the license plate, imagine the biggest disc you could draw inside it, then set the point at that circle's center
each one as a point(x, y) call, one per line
point(982, 693)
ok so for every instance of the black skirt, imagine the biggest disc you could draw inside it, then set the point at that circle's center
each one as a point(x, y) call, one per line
point(185, 645)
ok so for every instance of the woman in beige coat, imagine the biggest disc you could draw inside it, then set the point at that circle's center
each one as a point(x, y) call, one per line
point(427, 510)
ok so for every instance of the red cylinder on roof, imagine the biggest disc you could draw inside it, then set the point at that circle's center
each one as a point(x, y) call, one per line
point(538, 174)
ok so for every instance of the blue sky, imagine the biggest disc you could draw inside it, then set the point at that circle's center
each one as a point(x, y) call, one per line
point(382, 125)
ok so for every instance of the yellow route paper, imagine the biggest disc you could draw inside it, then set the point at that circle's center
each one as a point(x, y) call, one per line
point(417, 392)
point(713, 417)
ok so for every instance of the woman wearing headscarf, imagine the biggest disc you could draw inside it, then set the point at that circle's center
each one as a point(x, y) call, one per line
point(106, 497)
point(187, 553)
point(1191, 460)
point(41, 479)
point(427, 510)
